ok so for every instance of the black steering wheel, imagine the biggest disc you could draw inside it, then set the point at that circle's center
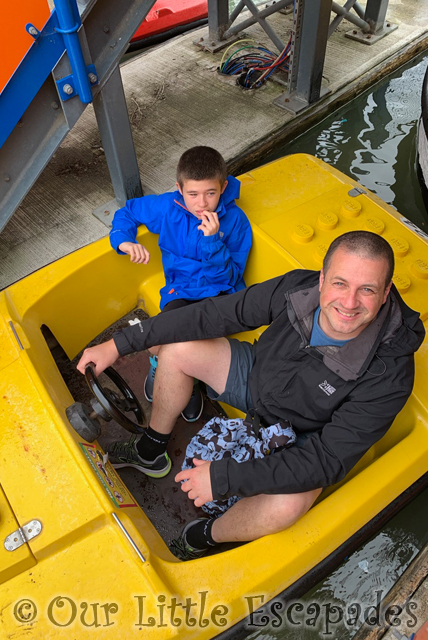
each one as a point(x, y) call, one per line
point(113, 403)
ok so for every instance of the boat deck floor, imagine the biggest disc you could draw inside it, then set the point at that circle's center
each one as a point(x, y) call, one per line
point(176, 99)
point(164, 503)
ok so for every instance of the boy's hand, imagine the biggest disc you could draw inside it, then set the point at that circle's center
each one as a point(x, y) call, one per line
point(137, 252)
point(209, 223)
point(102, 355)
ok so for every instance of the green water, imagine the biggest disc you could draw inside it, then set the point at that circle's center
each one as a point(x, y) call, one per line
point(372, 139)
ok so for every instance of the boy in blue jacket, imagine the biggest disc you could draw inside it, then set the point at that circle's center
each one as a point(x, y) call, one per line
point(204, 237)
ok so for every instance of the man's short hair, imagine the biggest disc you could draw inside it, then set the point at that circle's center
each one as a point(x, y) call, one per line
point(201, 163)
point(365, 244)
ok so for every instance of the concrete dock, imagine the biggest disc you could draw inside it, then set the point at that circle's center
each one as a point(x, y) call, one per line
point(177, 99)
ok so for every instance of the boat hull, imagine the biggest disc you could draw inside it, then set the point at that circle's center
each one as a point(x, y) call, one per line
point(296, 206)
point(167, 19)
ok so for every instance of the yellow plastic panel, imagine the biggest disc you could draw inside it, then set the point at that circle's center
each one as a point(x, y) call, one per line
point(283, 185)
point(9, 347)
point(42, 473)
point(20, 559)
point(101, 570)
point(305, 231)
point(78, 296)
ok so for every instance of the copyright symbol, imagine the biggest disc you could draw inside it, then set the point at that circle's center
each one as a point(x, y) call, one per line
point(25, 610)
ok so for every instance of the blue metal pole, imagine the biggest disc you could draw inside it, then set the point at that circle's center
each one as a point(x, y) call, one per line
point(69, 24)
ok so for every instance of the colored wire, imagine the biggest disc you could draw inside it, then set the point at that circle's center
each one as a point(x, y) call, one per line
point(231, 56)
point(249, 65)
point(232, 45)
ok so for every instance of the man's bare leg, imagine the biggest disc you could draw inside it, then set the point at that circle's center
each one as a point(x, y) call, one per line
point(179, 364)
point(209, 360)
point(258, 516)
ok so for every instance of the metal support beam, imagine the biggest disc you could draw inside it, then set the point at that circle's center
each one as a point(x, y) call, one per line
point(311, 22)
point(113, 122)
point(259, 16)
point(220, 31)
point(237, 10)
point(344, 13)
point(108, 26)
point(218, 19)
point(29, 148)
point(29, 77)
point(274, 8)
point(375, 14)
point(359, 10)
point(218, 22)
point(375, 17)
point(311, 31)
point(69, 24)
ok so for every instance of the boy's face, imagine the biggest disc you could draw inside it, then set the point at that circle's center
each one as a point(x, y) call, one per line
point(201, 195)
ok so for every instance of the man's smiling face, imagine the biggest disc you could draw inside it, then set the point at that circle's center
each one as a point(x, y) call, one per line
point(352, 291)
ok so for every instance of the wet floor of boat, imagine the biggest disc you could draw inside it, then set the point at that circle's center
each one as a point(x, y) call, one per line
point(162, 500)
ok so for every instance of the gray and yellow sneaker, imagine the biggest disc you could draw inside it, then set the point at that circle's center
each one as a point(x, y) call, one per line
point(182, 549)
point(125, 454)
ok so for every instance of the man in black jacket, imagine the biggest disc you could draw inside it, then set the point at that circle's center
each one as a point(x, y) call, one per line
point(337, 361)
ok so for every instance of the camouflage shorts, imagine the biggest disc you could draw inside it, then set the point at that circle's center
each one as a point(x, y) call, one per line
point(222, 438)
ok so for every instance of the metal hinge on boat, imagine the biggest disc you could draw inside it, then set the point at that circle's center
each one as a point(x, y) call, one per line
point(22, 535)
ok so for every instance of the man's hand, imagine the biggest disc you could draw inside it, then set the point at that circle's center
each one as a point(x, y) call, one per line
point(137, 252)
point(103, 356)
point(209, 223)
point(198, 482)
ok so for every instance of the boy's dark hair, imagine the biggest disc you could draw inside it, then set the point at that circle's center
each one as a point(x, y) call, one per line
point(201, 163)
point(367, 245)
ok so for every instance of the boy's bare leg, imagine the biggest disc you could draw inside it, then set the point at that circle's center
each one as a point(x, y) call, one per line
point(258, 516)
point(179, 364)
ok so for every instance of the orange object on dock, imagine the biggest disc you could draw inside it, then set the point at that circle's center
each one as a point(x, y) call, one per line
point(422, 634)
point(14, 37)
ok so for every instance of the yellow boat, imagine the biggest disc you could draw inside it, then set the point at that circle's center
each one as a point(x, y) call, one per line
point(78, 552)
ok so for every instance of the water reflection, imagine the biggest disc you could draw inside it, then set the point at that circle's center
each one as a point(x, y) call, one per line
point(372, 139)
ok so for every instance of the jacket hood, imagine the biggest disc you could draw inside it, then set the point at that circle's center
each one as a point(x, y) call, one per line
point(232, 190)
point(410, 333)
point(395, 320)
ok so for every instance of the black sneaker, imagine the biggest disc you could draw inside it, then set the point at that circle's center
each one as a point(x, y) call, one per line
point(150, 379)
point(125, 454)
point(182, 549)
point(193, 411)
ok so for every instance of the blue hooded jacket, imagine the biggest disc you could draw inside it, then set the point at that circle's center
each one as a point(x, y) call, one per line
point(195, 266)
